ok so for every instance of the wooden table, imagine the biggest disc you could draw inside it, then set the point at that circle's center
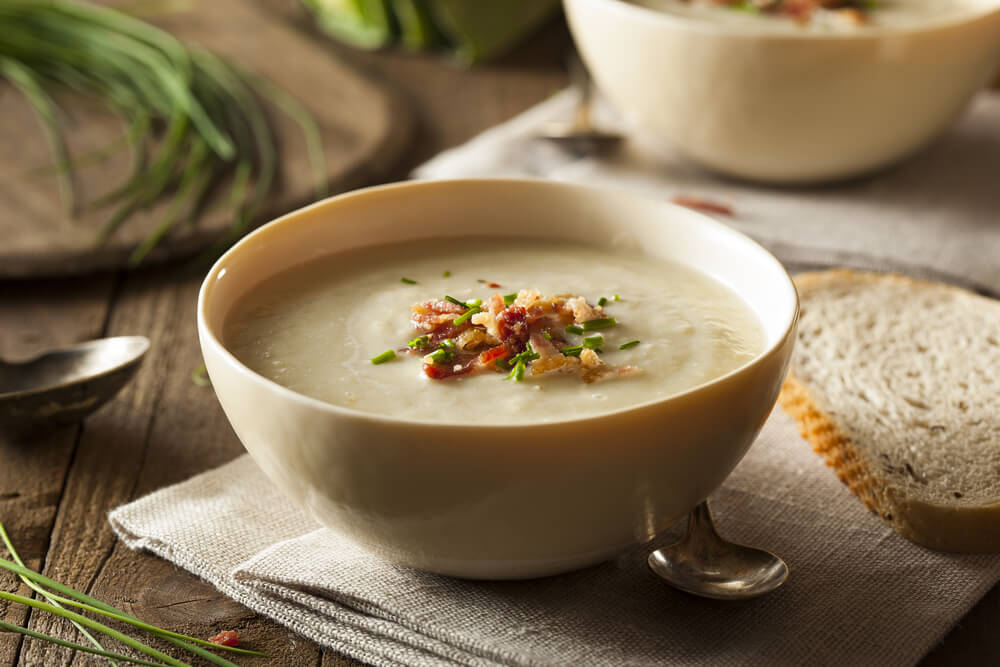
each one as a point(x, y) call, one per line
point(55, 492)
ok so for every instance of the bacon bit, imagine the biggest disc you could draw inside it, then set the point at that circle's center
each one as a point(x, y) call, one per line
point(428, 315)
point(489, 284)
point(225, 638)
point(512, 325)
point(493, 354)
point(704, 205)
point(462, 364)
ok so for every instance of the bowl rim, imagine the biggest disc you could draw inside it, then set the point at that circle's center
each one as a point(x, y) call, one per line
point(208, 336)
point(765, 31)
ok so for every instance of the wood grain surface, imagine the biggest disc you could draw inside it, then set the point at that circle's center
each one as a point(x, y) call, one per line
point(55, 492)
point(363, 124)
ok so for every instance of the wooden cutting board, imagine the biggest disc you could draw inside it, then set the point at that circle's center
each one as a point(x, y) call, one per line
point(364, 128)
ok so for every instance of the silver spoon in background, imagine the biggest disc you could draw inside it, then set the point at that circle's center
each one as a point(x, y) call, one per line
point(580, 136)
point(704, 564)
point(65, 385)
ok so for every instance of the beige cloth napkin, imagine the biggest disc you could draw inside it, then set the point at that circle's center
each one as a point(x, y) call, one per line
point(936, 215)
point(858, 593)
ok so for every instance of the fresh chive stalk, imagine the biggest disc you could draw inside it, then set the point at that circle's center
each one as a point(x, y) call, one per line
point(602, 323)
point(419, 342)
point(602, 301)
point(593, 342)
point(572, 350)
point(508, 299)
point(451, 299)
point(76, 647)
point(384, 357)
point(408, 281)
point(630, 344)
point(84, 601)
point(446, 274)
point(573, 329)
point(194, 120)
point(464, 317)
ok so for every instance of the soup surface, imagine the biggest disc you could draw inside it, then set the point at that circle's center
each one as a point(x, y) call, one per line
point(798, 16)
point(316, 327)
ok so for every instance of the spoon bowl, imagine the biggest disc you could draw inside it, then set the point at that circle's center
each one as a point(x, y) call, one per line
point(63, 386)
point(704, 564)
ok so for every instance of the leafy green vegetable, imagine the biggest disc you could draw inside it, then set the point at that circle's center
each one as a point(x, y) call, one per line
point(193, 119)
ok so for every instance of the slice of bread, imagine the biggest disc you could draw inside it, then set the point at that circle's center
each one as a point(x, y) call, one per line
point(896, 383)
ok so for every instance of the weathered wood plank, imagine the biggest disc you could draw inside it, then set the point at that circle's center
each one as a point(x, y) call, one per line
point(33, 318)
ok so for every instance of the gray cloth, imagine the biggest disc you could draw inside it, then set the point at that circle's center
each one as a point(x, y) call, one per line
point(936, 215)
point(858, 593)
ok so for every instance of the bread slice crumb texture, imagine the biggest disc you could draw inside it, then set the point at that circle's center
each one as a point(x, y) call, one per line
point(896, 383)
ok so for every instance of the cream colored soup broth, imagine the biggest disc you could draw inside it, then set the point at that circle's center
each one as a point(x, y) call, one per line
point(883, 14)
point(316, 327)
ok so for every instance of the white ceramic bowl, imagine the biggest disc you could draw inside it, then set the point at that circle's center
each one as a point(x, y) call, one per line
point(785, 106)
point(499, 501)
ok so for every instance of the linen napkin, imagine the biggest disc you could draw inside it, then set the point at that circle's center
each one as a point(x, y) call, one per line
point(935, 215)
point(858, 593)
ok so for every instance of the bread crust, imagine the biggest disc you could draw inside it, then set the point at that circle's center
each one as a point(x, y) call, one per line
point(956, 528)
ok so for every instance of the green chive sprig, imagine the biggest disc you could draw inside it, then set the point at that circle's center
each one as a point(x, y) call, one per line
point(59, 596)
point(602, 301)
point(602, 323)
point(593, 342)
point(419, 342)
point(467, 315)
point(572, 350)
point(193, 120)
point(508, 299)
point(445, 353)
point(520, 363)
point(384, 357)
point(630, 344)
point(407, 281)
point(574, 329)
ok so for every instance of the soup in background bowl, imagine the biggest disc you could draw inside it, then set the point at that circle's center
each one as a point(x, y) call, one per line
point(491, 473)
point(771, 99)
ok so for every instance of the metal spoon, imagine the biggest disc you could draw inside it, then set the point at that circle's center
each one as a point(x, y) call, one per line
point(65, 385)
point(702, 563)
point(580, 135)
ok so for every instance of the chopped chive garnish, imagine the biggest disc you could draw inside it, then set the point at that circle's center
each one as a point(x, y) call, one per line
point(517, 374)
point(509, 299)
point(602, 323)
point(572, 351)
point(419, 342)
point(445, 353)
point(464, 317)
point(446, 274)
point(625, 346)
point(502, 363)
point(614, 297)
point(451, 299)
point(408, 281)
point(602, 301)
point(573, 329)
point(593, 342)
point(546, 335)
point(388, 355)
point(473, 303)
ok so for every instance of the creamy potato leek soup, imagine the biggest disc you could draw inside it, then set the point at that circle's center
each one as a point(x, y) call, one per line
point(819, 15)
point(491, 330)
